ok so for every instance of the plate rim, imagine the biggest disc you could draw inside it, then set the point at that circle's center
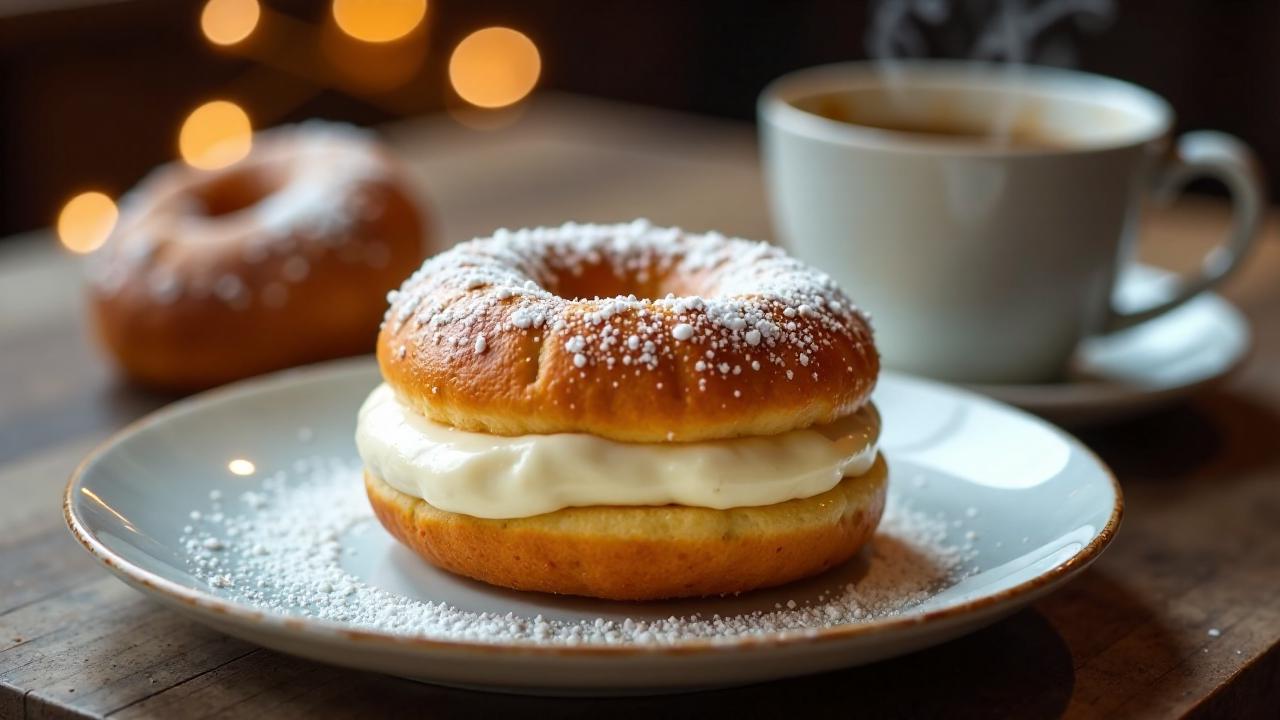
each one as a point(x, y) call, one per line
point(328, 631)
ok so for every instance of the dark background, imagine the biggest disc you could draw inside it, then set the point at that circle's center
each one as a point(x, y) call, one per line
point(92, 91)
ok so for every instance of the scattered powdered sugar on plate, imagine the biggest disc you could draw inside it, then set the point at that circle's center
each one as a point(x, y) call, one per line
point(279, 548)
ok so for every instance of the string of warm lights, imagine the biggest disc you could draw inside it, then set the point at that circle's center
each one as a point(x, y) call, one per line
point(492, 68)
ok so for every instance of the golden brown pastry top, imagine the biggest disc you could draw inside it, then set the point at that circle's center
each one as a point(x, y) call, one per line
point(630, 331)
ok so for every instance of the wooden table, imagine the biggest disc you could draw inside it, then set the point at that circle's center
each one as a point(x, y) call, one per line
point(1199, 549)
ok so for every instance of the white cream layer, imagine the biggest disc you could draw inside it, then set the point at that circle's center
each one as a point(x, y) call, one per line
point(494, 476)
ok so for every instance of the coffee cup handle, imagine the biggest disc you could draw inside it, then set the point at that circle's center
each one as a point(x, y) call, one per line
point(1216, 155)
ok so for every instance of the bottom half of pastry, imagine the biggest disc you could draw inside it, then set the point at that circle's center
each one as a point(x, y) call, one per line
point(643, 553)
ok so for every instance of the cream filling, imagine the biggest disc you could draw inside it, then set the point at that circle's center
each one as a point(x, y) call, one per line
point(495, 476)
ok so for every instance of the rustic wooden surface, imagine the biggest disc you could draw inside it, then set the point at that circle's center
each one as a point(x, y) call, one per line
point(1199, 548)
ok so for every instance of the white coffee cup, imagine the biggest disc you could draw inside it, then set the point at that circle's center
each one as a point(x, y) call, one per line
point(986, 258)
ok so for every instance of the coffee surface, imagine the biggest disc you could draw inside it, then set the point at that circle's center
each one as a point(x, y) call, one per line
point(938, 126)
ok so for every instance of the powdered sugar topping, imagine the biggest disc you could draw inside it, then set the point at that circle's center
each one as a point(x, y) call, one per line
point(736, 303)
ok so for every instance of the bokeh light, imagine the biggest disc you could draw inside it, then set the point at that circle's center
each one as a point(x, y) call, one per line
point(86, 221)
point(494, 67)
point(378, 21)
point(241, 466)
point(227, 22)
point(215, 135)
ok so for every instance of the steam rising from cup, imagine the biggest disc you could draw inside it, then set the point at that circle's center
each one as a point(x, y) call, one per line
point(1009, 32)
point(1013, 31)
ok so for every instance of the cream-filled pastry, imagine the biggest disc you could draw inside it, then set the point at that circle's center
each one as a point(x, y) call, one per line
point(624, 411)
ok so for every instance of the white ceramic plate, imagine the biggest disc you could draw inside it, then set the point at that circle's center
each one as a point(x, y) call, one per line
point(1143, 368)
point(1035, 505)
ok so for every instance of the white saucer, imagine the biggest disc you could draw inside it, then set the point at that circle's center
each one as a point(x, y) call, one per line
point(1143, 368)
point(1026, 505)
